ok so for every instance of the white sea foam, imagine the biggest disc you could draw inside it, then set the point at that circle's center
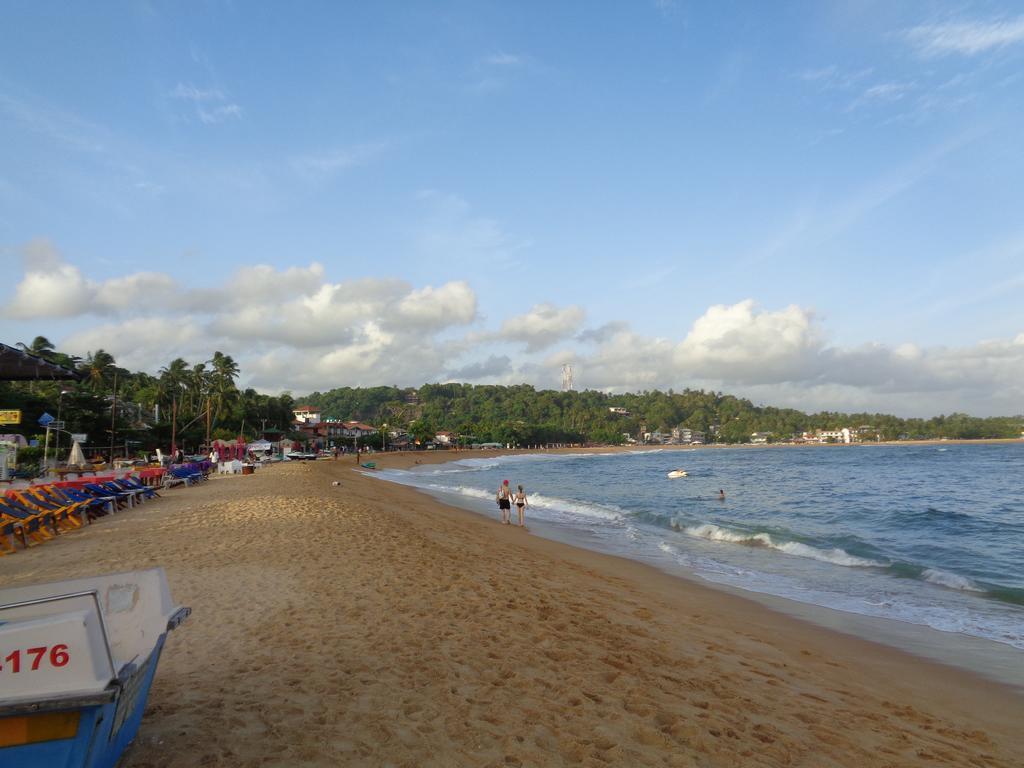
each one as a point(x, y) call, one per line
point(536, 500)
point(464, 490)
point(835, 556)
point(950, 580)
point(459, 467)
point(605, 512)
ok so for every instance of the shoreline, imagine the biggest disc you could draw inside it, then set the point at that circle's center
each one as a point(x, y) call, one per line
point(367, 624)
point(999, 663)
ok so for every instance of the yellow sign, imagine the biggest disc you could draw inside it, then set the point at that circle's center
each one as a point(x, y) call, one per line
point(10, 417)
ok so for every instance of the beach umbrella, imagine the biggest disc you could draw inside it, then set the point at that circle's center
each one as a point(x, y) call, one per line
point(76, 457)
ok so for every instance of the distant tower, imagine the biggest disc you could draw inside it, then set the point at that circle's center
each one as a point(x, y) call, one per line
point(567, 382)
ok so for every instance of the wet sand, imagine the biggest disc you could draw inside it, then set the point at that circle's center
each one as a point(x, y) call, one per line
point(367, 624)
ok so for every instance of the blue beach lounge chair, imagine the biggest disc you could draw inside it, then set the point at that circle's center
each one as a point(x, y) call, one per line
point(68, 514)
point(96, 506)
point(38, 525)
point(10, 531)
point(121, 496)
point(130, 483)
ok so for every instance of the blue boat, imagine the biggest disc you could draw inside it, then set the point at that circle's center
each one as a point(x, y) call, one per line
point(77, 659)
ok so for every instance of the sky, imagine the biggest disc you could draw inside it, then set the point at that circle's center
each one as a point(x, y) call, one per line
point(812, 205)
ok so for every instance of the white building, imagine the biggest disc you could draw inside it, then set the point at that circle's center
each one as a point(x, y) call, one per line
point(837, 435)
point(307, 415)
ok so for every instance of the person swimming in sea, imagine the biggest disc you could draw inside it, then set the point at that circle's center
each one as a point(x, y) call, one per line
point(721, 495)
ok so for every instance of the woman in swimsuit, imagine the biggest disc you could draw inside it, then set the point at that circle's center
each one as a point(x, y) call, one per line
point(520, 500)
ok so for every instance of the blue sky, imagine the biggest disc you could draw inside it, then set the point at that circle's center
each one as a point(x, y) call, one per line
point(814, 205)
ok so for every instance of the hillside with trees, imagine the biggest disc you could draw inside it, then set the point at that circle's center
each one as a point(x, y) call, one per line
point(183, 396)
point(523, 415)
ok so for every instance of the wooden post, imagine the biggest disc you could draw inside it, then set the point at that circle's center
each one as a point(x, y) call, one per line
point(174, 427)
point(113, 415)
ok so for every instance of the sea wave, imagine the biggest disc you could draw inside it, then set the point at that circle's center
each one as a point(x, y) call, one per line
point(573, 506)
point(537, 501)
point(950, 580)
point(835, 556)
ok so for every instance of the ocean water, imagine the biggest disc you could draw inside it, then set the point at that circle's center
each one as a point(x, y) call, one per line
point(931, 535)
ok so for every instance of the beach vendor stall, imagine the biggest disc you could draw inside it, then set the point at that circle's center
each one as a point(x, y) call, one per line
point(77, 659)
point(261, 446)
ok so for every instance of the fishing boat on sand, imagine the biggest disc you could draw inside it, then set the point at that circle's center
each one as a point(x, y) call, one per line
point(77, 659)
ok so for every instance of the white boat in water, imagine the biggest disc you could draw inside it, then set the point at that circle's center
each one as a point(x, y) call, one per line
point(676, 473)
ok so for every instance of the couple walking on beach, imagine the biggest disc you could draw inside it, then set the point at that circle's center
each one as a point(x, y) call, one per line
point(506, 498)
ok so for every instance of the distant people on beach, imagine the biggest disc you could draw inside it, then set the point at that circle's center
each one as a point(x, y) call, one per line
point(520, 501)
point(504, 497)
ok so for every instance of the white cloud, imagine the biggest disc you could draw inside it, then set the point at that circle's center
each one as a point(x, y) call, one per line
point(297, 329)
point(52, 287)
point(332, 161)
point(211, 105)
point(666, 7)
point(542, 326)
point(451, 230)
point(738, 343)
point(819, 75)
point(782, 358)
point(968, 38)
point(435, 308)
point(504, 60)
point(494, 368)
point(191, 93)
point(219, 114)
point(883, 93)
point(831, 77)
point(146, 343)
point(63, 128)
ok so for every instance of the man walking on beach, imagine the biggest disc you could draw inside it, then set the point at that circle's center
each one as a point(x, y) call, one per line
point(504, 503)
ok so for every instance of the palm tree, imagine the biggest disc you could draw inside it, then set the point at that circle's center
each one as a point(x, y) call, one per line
point(199, 383)
point(40, 346)
point(97, 368)
point(225, 371)
point(173, 380)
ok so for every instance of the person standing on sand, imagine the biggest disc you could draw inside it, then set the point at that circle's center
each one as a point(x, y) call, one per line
point(520, 500)
point(503, 496)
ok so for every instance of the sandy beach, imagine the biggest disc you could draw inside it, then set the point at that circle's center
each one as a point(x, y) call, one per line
point(366, 624)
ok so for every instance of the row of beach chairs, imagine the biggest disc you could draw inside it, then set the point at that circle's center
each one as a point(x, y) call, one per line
point(36, 514)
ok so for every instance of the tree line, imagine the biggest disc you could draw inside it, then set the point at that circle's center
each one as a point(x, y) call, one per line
point(195, 399)
point(523, 415)
point(188, 400)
